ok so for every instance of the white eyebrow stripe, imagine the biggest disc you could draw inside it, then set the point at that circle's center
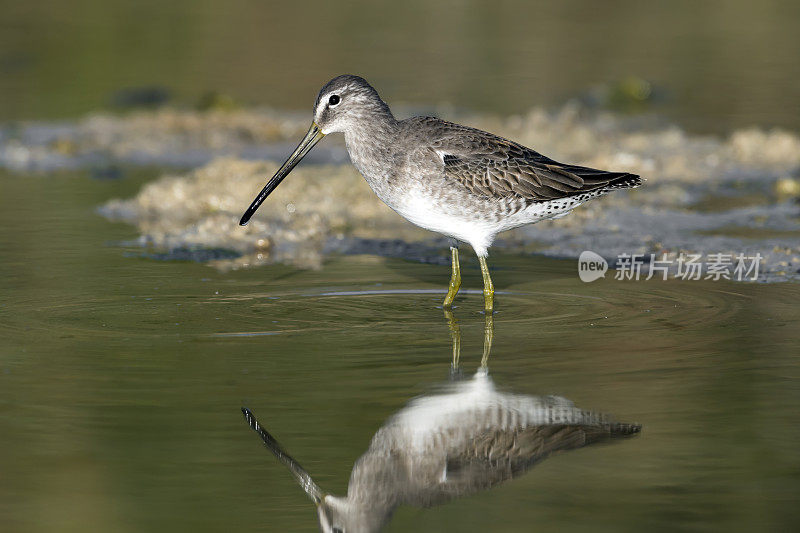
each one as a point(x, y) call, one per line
point(323, 101)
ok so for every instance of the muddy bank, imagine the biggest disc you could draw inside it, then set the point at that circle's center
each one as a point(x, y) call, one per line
point(704, 195)
point(316, 204)
point(574, 133)
point(166, 137)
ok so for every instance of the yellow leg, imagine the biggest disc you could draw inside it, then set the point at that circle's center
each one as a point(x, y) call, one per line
point(488, 287)
point(455, 335)
point(488, 336)
point(455, 280)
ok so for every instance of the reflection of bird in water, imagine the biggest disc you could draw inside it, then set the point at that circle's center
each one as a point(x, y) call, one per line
point(467, 438)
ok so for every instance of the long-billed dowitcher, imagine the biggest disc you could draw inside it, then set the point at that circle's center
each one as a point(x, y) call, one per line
point(461, 182)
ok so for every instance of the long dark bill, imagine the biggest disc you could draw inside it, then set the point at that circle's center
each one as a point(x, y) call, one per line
point(299, 473)
point(312, 137)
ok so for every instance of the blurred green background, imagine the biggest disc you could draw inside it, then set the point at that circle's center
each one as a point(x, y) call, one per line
point(713, 65)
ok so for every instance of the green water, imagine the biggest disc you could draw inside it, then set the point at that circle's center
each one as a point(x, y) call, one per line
point(122, 378)
point(121, 381)
point(714, 65)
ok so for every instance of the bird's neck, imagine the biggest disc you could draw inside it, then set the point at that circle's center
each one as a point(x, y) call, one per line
point(377, 481)
point(377, 127)
point(371, 145)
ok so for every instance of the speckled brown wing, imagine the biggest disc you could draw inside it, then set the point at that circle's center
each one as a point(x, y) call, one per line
point(495, 167)
point(499, 455)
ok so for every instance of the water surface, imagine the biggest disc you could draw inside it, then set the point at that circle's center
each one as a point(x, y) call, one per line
point(122, 378)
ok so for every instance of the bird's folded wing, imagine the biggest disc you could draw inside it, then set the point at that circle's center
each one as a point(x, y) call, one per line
point(495, 167)
point(498, 455)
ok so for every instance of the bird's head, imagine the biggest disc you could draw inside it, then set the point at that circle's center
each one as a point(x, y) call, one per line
point(346, 101)
point(336, 515)
point(345, 515)
point(343, 103)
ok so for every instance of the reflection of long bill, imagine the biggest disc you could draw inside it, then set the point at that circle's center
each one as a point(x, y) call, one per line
point(312, 137)
point(299, 473)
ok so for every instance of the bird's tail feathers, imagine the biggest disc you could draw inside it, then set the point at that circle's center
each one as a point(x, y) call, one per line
point(626, 181)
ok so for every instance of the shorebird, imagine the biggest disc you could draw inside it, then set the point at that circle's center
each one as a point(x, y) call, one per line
point(442, 446)
point(461, 182)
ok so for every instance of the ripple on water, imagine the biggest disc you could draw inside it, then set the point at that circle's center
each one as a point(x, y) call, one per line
point(548, 309)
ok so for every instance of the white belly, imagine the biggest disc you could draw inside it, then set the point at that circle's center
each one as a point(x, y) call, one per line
point(445, 216)
point(423, 212)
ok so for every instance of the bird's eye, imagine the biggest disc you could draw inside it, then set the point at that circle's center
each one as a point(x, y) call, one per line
point(334, 100)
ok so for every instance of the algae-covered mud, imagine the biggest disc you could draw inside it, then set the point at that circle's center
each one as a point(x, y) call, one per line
point(163, 137)
point(734, 195)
